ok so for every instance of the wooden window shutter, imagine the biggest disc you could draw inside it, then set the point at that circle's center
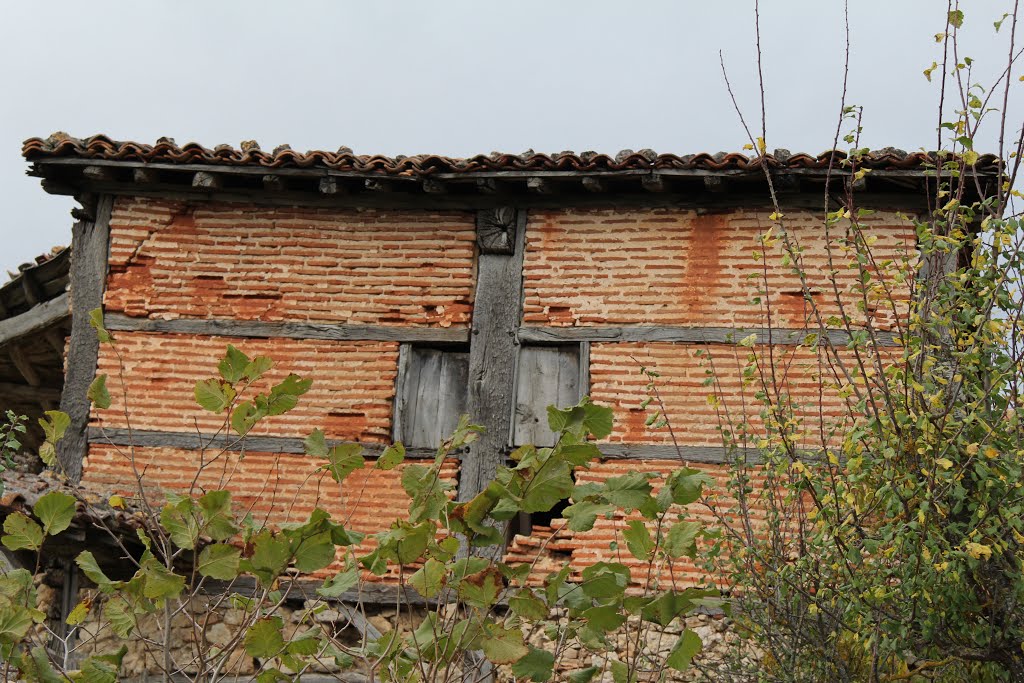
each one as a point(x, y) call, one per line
point(546, 375)
point(431, 395)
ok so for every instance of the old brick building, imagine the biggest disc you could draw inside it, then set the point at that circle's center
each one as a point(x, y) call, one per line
point(413, 289)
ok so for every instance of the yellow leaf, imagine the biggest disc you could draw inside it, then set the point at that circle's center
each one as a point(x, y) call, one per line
point(775, 215)
point(116, 502)
point(761, 146)
point(748, 146)
point(970, 157)
point(979, 551)
point(973, 449)
point(991, 452)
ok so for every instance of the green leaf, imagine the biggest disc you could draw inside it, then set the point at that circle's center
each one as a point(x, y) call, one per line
point(269, 558)
point(684, 486)
point(580, 454)
point(584, 675)
point(620, 672)
point(605, 580)
point(537, 665)
point(55, 510)
point(48, 453)
point(96, 321)
point(245, 416)
point(671, 604)
point(257, 367)
point(315, 444)
point(98, 392)
point(638, 540)
point(582, 515)
point(15, 622)
point(21, 533)
point(597, 420)
point(392, 457)
point(481, 589)
point(264, 639)
point(120, 615)
point(552, 484)
point(232, 367)
point(214, 395)
point(527, 605)
point(956, 18)
point(100, 668)
point(54, 425)
point(335, 586)
point(604, 618)
point(344, 459)
point(181, 520)
point(428, 579)
point(503, 646)
point(292, 385)
point(36, 667)
point(219, 562)
point(630, 491)
point(161, 582)
point(313, 552)
point(686, 648)
point(681, 539)
point(218, 522)
point(87, 563)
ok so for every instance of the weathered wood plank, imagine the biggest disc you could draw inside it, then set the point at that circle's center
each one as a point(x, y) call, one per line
point(497, 313)
point(28, 394)
point(192, 441)
point(269, 330)
point(545, 376)
point(90, 243)
point(24, 366)
point(691, 335)
point(705, 454)
point(35, 320)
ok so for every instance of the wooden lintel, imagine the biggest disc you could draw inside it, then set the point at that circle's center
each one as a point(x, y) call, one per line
point(488, 185)
point(592, 184)
point(269, 330)
point(206, 180)
point(540, 185)
point(654, 182)
point(230, 441)
point(687, 335)
point(330, 186)
point(705, 454)
point(98, 173)
point(31, 289)
point(24, 366)
point(35, 320)
point(146, 176)
point(274, 183)
point(431, 186)
point(713, 183)
point(785, 183)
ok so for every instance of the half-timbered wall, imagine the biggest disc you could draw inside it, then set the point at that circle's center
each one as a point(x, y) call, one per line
point(405, 318)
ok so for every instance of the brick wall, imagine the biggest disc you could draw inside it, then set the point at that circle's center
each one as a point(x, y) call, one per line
point(169, 259)
point(351, 396)
point(275, 487)
point(675, 267)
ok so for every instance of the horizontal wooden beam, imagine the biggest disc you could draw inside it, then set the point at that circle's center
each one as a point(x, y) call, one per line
point(706, 454)
point(686, 335)
point(268, 330)
point(194, 441)
point(34, 320)
point(28, 394)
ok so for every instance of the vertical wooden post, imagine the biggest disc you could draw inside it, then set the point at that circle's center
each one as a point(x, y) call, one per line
point(497, 313)
point(90, 245)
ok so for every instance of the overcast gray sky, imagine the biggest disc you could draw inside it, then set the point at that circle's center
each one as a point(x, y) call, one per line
point(455, 77)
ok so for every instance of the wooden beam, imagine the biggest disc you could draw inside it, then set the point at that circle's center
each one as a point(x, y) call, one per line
point(191, 441)
point(24, 366)
point(28, 394)
point(31, 289)
point(592, 184)
point(267, 330)
point(56, 341)
point(90, 245)
point(654, 182)
point(431, 186)
point(206, 180)
point(488, 186)
point(35, 320)
point(377, 185)
point(687, 335)
point(706, 454)
point(497, 312)
point(146, 176)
